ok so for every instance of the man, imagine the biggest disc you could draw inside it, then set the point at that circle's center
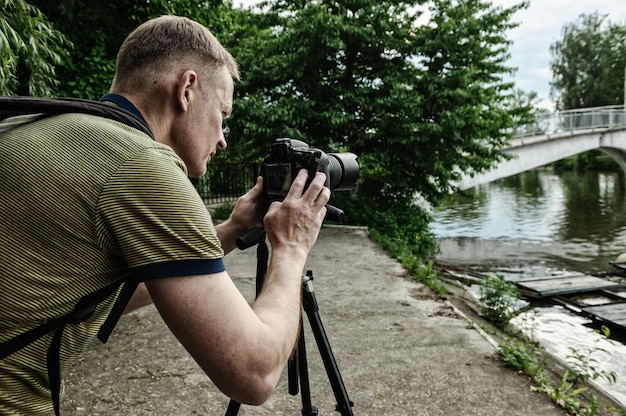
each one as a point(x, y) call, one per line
point(88, 202)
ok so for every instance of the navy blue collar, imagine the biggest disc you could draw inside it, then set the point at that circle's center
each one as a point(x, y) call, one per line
point(125, 104)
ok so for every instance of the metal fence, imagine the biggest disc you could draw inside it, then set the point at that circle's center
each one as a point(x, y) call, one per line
point(225, 182)
point(572, 120)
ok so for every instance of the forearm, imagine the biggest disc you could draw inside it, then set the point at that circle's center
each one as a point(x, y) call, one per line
point(243, 347)
point(244, 350)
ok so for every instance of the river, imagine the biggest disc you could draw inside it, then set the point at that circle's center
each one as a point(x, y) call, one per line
point(538, 224)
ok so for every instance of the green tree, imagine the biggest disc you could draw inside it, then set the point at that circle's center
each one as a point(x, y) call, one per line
point(415, 88)
point(98, 27)
point(417, 93)
point(588, 63)
point(30, 48)
point(537, 123)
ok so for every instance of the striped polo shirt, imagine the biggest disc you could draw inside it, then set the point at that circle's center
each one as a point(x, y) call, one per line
point(85, 202)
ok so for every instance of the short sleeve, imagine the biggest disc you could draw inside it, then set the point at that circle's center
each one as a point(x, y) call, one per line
point(151, 215)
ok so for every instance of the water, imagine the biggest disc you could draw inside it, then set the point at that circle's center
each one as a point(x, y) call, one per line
point(537, 224)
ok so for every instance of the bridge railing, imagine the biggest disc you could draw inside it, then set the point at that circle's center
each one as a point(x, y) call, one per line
point(571, 120)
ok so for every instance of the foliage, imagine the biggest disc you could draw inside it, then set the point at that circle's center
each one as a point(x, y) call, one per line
point(98, 27)
point(533, 123)
point(564, 394)
point(415, 264)
point(588, 63)
point(588, 71)
point(524, 357)
point(413, 88)
point(584, 364)
point(498, 299)
point(362, 76)
point(30, 48)
point(223, 211)
point(527, 357)
point(571, 391)
point(591, 160)
point(401, 221)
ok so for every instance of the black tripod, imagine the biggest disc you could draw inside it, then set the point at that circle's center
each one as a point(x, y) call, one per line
point(297, 369)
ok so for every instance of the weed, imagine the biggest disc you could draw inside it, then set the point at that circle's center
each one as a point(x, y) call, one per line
point(564, 394)
point(524, 357)
point(527, 357)
point(498, 299)
point(584, 364)
point(402, 252)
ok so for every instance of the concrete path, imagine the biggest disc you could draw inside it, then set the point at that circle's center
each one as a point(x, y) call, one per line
point(400, 351)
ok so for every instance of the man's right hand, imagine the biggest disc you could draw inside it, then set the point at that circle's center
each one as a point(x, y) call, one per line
point(298, 218)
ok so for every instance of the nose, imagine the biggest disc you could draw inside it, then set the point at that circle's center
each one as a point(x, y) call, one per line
point(221, 143)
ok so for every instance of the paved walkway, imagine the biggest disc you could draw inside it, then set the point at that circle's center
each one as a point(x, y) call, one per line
point(400, 350)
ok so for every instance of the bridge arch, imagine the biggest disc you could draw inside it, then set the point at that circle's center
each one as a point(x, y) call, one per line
point(602, 128)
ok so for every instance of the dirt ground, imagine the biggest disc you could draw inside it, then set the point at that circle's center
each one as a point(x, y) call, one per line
point(400, 351)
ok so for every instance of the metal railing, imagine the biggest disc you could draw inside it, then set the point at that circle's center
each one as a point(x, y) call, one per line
point(571, 120)
point(225, 182)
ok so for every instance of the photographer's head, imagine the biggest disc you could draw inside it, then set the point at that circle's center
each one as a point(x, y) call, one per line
point(181, 79)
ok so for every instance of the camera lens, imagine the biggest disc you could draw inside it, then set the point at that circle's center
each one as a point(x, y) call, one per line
point(344, 171)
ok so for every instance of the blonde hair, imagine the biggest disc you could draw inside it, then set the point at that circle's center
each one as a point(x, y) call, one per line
point(165, 45)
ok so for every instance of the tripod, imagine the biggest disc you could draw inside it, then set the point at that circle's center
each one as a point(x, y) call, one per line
point(297, 368)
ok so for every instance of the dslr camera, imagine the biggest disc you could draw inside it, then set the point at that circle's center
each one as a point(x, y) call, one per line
point(287, 157)
point(280, 167)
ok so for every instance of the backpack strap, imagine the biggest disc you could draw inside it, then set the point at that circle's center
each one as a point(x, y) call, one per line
point(118, 308)
point(20, 105)
point(81, 312)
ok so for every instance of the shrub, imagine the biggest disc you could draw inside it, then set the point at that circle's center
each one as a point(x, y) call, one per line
point(498, 298)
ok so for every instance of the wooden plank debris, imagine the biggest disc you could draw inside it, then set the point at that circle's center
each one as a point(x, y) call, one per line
point(614, 313)
point(597, 298)
point(563, 285)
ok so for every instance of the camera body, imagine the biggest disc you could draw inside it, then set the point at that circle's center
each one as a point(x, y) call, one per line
point(287, 157)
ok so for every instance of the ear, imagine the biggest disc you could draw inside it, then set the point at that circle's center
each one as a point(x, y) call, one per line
point(187, 87)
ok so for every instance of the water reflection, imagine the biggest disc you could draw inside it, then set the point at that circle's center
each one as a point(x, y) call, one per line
point(594, 207)
point(571, 219)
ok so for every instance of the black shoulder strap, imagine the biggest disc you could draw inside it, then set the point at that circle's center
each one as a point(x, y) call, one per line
point(82, 311)
point(19, 105)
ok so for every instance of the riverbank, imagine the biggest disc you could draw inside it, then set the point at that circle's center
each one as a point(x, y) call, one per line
point(564, 339)
point(400, 351)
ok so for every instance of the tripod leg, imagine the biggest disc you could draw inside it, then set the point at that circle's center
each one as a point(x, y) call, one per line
point(233, 408)
point(303, 372)
point(344, 405)
point(262, 253)
point(293, 373)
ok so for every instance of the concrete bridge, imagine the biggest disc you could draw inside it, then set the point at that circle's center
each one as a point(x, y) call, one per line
point(558, 135)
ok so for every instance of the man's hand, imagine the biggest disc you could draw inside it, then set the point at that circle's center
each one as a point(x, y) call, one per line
point(298, 218)
point(243, 218)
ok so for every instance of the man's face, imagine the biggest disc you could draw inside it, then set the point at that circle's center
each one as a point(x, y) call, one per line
point(204, 132)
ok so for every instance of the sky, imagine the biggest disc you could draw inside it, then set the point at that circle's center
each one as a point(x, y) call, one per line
point(540, 26)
